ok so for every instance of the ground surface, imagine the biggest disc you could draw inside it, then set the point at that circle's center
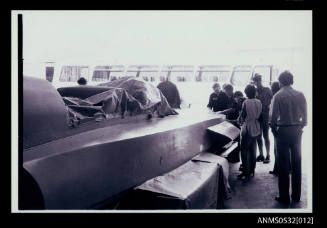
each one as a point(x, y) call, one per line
point(258, 192)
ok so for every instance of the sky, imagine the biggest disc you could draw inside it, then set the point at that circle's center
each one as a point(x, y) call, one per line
point(163, 37)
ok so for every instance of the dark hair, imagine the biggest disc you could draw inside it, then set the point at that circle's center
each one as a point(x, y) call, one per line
point(286, 78)
point(257, 78)
point(81, 81)
point(275, 87)
point(228, 87)
point(238, 94)
point(215, 85)
point(250, 91)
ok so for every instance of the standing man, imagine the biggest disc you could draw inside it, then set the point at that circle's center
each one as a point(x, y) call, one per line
point(288, 116)
point(264, 94)
point(170, 91)
point(232, 113)
point(230, 109)
point(274, 89)
point(218, 100)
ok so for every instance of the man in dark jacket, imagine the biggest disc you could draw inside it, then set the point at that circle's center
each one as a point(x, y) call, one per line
point(239, 99)
point(170, 91)
point(218, 100)
point(231, 111)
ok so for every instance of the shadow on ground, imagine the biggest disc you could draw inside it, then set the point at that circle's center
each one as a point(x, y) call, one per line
point(258, 192)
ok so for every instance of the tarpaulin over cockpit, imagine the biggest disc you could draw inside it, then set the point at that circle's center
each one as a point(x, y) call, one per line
point(147, 94)
point(126, 96)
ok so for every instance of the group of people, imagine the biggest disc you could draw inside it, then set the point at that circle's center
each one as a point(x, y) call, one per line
point(279, 108)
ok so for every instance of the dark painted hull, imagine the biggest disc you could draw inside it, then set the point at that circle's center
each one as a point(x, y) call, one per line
point(81, 170)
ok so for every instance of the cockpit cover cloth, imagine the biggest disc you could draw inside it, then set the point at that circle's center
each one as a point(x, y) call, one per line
point(126, 96)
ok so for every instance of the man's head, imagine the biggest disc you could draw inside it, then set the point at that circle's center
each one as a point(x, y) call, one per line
point(285, 79)
point(250, 91)
point(274, 87)
point(82, 81)
point(257, 80)
point(228, 89)
point(216, 87)
point(238, 95)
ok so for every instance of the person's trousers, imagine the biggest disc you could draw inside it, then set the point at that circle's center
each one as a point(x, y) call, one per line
point(234, 156)
point(275, 170)
point(264, 134)
point(289, 153)
point(248, 152)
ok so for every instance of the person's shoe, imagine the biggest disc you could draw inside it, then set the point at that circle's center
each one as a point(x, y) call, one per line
point(242, 176)
point(267, 160)
point(241, 167)
point(295, 200)
point(260, 158)
point(283, 201)
point(273, 172)
point(228, 195)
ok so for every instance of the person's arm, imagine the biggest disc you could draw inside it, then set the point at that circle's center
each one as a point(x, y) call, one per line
point(210, 104)
point(303, 108)
point(227, 111)
point(274, 114)
point(242, 115)
point(269, 96)
point(232, 109)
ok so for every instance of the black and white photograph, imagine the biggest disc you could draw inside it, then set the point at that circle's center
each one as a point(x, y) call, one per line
point(179, 111)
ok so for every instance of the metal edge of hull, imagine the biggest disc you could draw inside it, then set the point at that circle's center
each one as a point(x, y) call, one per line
point(84, 176)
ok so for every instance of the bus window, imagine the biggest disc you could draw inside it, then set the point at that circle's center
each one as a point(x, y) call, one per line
point(274, 74)
point(214, 76)
point(73, 73)
point(49, 73)
point(241, 78)
point(107, 73)
point(198, 77)
point(180, 78)
point(264, 71)
point(99, 75)
point(162, 78)
point(223, 76)
point(148, 76)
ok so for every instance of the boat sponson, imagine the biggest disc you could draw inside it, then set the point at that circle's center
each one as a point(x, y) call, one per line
point(81, 170)
point(193, 185)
